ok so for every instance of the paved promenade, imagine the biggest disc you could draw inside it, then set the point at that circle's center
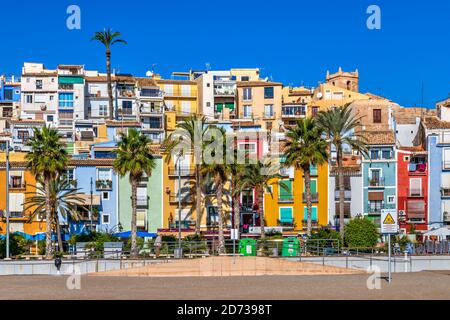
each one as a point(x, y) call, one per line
point(410, 286)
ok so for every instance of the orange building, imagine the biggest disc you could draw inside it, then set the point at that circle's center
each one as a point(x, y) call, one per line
point(21, 186)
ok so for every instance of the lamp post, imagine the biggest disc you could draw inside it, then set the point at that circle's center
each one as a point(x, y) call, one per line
point(7, 200)
point(180, 157)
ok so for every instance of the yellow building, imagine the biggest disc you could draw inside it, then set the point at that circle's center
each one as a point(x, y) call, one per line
point(260, 101)
point(21, 186)
point(180, 96)
point(288, 208)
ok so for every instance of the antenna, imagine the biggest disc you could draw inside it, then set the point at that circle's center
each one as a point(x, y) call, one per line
point(208, 66)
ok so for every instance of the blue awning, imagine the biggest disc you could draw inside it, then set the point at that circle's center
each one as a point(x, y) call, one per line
point(140, 234)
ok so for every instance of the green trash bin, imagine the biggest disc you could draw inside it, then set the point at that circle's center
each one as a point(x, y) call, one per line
point(290, 247)
point(247, 247)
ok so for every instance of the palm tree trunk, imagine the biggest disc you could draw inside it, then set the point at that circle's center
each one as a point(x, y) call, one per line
point(198, 199)
point(341, 192)
point(134, 248)
point(307, 175)
point(58, 233)
point(237, 213)
point(108, 77)
point(48, 220)
point(221, 248)
point(260, 212)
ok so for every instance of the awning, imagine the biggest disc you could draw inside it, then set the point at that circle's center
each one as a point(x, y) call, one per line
point(441, 232)
point(87, 199)
point(140, 234)
point(70, 80)
point(376, 196)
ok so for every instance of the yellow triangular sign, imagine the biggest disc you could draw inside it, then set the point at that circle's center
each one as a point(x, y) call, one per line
point(388, 219)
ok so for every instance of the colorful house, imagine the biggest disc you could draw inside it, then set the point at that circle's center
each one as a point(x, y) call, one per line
point(412, 188)
point(379, 175)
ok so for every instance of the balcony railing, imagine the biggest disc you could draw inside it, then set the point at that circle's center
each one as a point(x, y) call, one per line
point(153, 110)
point(375, 210)
point(103, 184)
point(415, 193)
point(417, 168)
point(16, 215)
point(286, 198)
point(269, 115)
point(314, 197)
point(184, 199)
point(376, 183)
point(182, 171)
point(17, 185)
point(142, 201)
point(347, 195)
point(225, 92)
point(293, 112)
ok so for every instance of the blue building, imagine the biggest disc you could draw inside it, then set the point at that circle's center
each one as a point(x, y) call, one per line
point(437, 133)
point(97, 182)
point(9, 97)
point(379, 174)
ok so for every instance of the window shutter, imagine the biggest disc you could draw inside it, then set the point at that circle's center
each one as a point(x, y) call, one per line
point(286, 215)
point(445, 180)
point(141, 218)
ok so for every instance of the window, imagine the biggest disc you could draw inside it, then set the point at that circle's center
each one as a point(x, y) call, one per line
point(386, 154)
point(245, 78)
point(314, 111)
point(50, 118)
point(29, 98)
point(65, 100)
point(247, 199)
point(374, 154)
point(286, 215)
point(103, 110)
point(313, 213)
point(376, 115)
point(8, 94)
point(105, 195)
point(268, 92)
point(103, 174)
point(105, 218)
point(68, 175)
point(168, 89)
point(247, 111)
point(52, 98)
point(286, 193)
point(38, 84)
point(23, 135)
point(375, 206)
point(247, 94)
point(268, 110)
point(391, 199)
point(212, 216)
point(185, 90)
point(127, 107)
point(415, 187)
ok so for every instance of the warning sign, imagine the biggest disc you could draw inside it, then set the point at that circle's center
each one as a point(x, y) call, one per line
point(389, 221)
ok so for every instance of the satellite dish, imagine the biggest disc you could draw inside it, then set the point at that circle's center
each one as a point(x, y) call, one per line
point(149, 73)
point(266, 79)
point(319, 95)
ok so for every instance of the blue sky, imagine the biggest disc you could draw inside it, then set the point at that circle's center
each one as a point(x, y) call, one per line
point(294, 42)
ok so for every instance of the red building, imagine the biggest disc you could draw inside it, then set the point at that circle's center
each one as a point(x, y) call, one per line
point(412, 189)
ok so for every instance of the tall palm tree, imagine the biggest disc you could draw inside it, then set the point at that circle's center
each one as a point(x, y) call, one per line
point(108, 38)
point(306, 147)
point(260, 177)
point(47, 159)
point(135, 158)
point(64, 200)
point(188, 138)
point(342, 128)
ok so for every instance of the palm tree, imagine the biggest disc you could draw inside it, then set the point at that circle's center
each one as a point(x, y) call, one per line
point(108, 38)
point(64, 200)
point(305, 147)
point(135, 158)
point(260, 177)
point(237, 172)
point(341, 128)
point(47, 159)
point(188, 138)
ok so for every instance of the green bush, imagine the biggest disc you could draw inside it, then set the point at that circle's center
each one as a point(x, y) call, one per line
point(17, 246)
point(361, 233)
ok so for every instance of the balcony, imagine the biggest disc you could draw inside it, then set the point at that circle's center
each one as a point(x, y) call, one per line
point(142, 201)
point(17, 184)
point(65, 86)
point(182, 171)
point(156, 126)
point(152, 110)
point(417, 169)
point(16, 215)
point(445, 192)
point(269, 115)
point(375, 210)
point(127, 93)
point(293, 112)
point(347, 195)
point(184, 199)
point(376, 182)
point(314, 223)
point(286, 198)
point(225, 91)
point(415, 193)
point(314, 197)
point(151, 93)
point(103, 184)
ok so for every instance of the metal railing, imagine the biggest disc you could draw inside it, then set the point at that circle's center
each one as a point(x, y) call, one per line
point(183, 171)
point(103, 184)
point(314, 197)
point(376, 183)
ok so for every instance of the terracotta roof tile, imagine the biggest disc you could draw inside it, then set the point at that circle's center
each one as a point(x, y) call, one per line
point(379, 137)
point(436, 123)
